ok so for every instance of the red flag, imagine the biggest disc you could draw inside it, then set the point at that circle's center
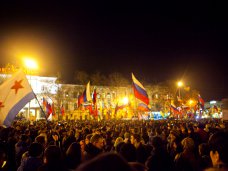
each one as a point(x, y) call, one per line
point(48, 109)
point(201, 101)
point(94, 96)
point(95, 112)
point(196, 107)
point(120, 107)
point(82, 98)
point(216, 108)
point(139, 91)
point(44, 102)
point(143, 107)
point(89, 107)
point(175, 111)
point(62, 111)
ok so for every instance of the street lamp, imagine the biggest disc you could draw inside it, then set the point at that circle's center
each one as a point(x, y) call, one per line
point(125, 100)
point(179, 84)
point(190, 102)
point(30, 65)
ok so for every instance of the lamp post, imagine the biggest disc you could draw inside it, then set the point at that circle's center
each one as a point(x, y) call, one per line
point(30, 65)
point(179, 84)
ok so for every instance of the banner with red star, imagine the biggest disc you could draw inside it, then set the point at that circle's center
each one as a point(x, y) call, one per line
point(15, 93)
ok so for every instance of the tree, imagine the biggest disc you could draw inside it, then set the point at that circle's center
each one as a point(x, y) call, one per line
point(81, 77)
point(117, 79)
point(98, 79)
point(59, 78)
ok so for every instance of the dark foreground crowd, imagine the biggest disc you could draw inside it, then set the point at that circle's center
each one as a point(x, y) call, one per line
point(115, 145)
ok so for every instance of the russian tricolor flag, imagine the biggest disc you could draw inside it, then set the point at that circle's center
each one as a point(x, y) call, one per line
point(143, 107)
point(174, 110)
point(139, 91)
point(85, 97)
point(201, 101)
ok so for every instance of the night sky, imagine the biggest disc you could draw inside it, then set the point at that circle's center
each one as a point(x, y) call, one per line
point(157, 41)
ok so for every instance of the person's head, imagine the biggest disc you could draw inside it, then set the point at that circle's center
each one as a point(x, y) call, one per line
point(118, 140)
point(218, 144)
point(157, 142)
point(74, 150)
point(35, 150)
point(127, 135)
point(87, 139)
point(187, 144)
point(190, 130)
point(24, 138)
point(97, 140)
point(105, 161)
point(135, 138)
point(128, 151)
point(73, 154)
point(41, 139)
point(173, 135)
point(52, 155)
point(82, 144)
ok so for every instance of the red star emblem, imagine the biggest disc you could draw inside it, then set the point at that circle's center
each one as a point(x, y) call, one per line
point(1, 104)
point(17, 85)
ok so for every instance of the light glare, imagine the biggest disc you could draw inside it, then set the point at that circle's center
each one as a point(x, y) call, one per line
point(30, 63)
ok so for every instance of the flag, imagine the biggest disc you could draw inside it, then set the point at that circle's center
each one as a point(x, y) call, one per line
point(174, 110)
point(48, 109)
point(89, 107)
point(85, 97)
point(44, 102)
point(15, 93)
point(95, 111)
point(94, 96)
point(215, 108)
point(186, 108)
point(80, 99)
point(201, 101)
point(143, 107)
point(196, 107)
point(139, 91)
point(62, 111)
point(120, 107)
point(88, 95)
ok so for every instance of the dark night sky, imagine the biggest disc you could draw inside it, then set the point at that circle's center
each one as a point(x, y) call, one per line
point(156, 41)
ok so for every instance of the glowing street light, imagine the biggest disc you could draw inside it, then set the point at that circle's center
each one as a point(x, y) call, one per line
point(179, 84)
point(125, 100)
point(30, 64)
point(190, 102)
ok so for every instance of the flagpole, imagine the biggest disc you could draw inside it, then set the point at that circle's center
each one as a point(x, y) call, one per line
point(135, 105)
point(30, 100)
point(40, 106)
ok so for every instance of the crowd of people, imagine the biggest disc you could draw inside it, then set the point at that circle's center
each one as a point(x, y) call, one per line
point(131, 145)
